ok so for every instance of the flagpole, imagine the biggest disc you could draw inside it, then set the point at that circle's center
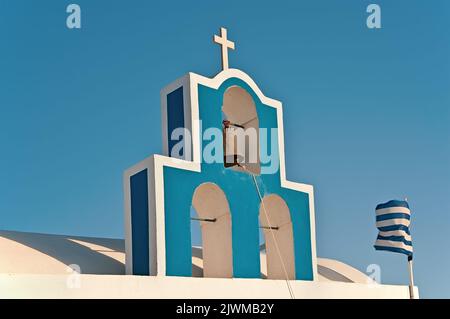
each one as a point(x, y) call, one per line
point(411, 277)
point(411, 274)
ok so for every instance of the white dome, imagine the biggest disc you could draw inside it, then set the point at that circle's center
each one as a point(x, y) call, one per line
point(32, 253)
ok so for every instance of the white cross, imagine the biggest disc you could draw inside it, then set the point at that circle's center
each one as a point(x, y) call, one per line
point(225, 43)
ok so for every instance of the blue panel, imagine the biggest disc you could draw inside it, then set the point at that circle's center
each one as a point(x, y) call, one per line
point(178, 191)
point(175, 115)
point(139, 223)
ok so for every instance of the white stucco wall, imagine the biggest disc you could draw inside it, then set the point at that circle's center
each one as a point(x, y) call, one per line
point(113, 286)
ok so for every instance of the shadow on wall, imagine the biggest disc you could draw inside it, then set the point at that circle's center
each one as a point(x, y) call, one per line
point(92, 255)
point(332, 275)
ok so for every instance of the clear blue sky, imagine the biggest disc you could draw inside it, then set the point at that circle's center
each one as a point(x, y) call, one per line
point(366, 112)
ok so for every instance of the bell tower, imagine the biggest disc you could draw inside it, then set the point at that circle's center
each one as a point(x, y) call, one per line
point(233, 199)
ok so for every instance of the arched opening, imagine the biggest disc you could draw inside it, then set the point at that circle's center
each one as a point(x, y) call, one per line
point(276, 224)
point(196, 242)
point(240, 131)
point(213, 214)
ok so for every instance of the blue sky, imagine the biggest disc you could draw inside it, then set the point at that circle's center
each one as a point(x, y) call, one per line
point(366, 112)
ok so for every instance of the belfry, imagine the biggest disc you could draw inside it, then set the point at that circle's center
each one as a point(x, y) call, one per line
point(232, 200)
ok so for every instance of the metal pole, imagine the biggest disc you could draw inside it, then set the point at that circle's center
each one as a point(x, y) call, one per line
point(411, 277)
point(411, 274)
point(270, 227)
point(209, 220)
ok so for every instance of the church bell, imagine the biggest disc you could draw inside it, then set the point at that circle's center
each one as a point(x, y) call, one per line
point(233, 144)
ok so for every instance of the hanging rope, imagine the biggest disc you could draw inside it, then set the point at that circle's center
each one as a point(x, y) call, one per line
point(291, 292)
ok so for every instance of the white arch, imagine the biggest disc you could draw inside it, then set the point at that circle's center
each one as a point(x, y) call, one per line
point(211, 205)
point(239, 108)
point(277, 228)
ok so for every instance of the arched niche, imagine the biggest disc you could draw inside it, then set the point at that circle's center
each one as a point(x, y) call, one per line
point(240, 110)
point(277, 226)
point(211, 205)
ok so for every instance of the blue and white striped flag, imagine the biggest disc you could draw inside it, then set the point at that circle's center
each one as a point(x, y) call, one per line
point(393, 220)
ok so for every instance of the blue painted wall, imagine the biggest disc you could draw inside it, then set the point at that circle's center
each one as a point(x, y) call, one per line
point(139, 223)
point(179, 187)
point(175, 114)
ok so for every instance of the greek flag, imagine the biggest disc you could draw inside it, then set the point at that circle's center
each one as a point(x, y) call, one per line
point(393, 219)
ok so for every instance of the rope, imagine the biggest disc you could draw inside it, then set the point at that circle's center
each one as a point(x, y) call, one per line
point(291, 292)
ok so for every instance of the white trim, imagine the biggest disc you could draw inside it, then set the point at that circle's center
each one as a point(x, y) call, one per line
point(158, 212)
point(312, 223)
point(152, 219)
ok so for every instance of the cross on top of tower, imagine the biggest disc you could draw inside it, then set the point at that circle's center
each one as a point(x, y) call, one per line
point(226, 44)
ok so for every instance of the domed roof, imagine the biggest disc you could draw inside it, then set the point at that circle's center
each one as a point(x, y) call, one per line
point(33, 253)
